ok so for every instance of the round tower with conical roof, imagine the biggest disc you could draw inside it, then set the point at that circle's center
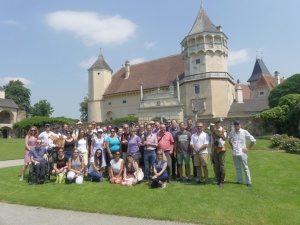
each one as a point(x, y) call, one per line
point(100, 75)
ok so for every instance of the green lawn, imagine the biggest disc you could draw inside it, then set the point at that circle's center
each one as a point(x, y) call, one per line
point(273, 199)
point(12, 149)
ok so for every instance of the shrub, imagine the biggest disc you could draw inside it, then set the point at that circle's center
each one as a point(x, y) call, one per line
point(289, 144)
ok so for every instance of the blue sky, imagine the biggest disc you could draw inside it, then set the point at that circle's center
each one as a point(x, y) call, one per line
point(49, 45)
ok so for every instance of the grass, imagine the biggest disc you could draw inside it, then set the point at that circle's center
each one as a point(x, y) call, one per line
point(273, 199)
point(12, 149)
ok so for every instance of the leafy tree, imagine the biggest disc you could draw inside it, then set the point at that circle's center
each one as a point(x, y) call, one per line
point(16, 91)
point(284, 116)
point(84, 109)
point(289, 86)
point(41, 108)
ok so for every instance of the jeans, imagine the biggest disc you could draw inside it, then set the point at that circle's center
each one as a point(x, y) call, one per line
point(167, 153)
point(96, 176)
point(238, 160)
point(162, 178)
point(148, 156)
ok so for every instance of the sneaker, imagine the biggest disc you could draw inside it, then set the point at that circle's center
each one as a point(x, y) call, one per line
point(180, 181)
point(249, 185)
point(21, 179)
point(188, 181)
point(221, 185)
point(164, 184)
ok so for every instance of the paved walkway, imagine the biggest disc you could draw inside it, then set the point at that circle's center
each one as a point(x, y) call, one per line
point(18, 214)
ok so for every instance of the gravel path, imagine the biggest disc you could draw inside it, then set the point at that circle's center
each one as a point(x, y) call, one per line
point(18, 214)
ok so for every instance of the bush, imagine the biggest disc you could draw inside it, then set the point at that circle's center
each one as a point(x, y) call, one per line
point(289, 144)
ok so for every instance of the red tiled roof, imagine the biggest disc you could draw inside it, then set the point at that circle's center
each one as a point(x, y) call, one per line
point(158, 72)
point(266, 80)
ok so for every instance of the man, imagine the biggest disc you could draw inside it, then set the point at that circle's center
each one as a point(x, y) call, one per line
point(94, 127)
point(219, 135)
point(78, 129)
point(64, 130)
point(165, 143)
point(199, 142)
point(173, 130)
point(168, 126)
point(157, 128)
point(149, 143)
point(38, 158)
point(237, 140)
point(141, 133)
point(182, 151)
point(45, 136)
point(192, 130)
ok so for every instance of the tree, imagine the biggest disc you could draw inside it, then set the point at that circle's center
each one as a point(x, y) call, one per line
point(289, 86)
point(84, 109)
point(41, 108)
point(16, 91)
point(285, 116)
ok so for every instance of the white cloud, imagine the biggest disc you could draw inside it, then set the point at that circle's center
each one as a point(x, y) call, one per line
point(238, 57)
point(136, 61)
point(149, 44)
point(9, 22)
point(5, 80)
point(88, 62)
point(93, 28)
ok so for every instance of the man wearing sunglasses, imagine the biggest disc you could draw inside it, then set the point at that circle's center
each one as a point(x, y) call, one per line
point(38, 157)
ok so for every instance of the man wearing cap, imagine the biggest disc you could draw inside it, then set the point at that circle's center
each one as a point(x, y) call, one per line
point(237, 140)
point(219, 135)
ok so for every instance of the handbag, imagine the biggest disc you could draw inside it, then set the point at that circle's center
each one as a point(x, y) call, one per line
point(141, 173)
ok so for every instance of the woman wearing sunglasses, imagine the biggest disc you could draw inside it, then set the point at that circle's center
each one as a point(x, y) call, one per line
point(160, 170)
point(95, 169)
point(60, 166)
point(75, 168)
point(30, 141)
point(116, 169)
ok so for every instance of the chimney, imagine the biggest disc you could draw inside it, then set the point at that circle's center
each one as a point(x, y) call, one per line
point(239, 93)
point(127, 69)
point(277, 78)
point(2, 93)
point(219, 28)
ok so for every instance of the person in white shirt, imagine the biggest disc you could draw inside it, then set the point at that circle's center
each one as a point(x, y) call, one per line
point(47, 142)
point(237, 140)
point(199, 142)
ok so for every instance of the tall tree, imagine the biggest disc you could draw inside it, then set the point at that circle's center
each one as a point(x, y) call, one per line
point(16, 91)
point(84, 109)
point(42, 108)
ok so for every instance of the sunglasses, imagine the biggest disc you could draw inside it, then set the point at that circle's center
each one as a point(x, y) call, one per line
point(39, 143)
point(159, 154)
point(117, 154)
point(76, 152)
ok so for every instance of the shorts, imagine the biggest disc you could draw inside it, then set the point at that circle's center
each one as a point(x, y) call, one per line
point(201, 159)
point(183, 156)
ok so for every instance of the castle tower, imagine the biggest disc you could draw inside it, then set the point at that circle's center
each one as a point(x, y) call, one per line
point(259, 69)
point(100, 75)
point(206, 84)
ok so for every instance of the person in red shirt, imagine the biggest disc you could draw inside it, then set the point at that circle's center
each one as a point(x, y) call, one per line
point(166, 143)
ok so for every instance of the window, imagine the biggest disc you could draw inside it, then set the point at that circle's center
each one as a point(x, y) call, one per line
point(124, 101)
point(197, 89)
point(261, 93)
point(197, 61)
point(109, 103)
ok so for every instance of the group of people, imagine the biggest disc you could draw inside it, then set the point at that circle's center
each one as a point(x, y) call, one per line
point(125, 153)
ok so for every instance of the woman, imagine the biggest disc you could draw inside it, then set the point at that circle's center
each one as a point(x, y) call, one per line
point(95, 169)
point(60, 166)
point(89, 136)
point(30, 141)
point(160, 170)
point(69, 145)
point(82, 146)
point(116, 169)
point(131, 167)
point(134, 143)
point(75, 168)
point(112, 144)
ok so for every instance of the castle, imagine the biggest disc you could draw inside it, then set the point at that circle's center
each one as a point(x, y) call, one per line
point(192, 84)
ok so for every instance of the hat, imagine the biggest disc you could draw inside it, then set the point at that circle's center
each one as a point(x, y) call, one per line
point(218, 120)
point(151, 122)
point(79, 122)
point(237, 122)
point(100, 130)
point(47, 125)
